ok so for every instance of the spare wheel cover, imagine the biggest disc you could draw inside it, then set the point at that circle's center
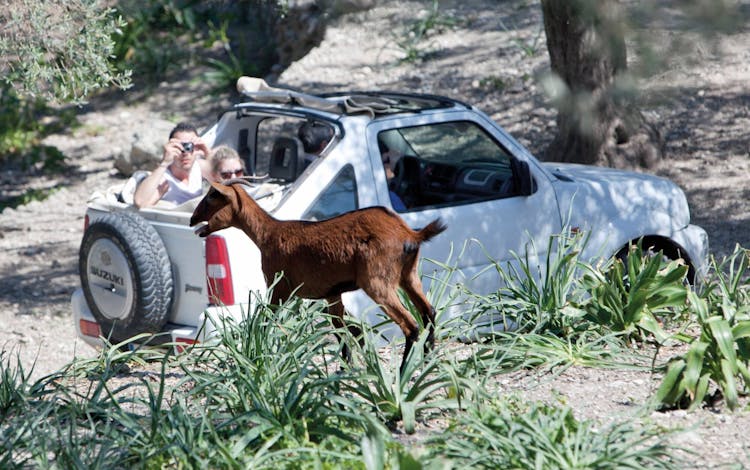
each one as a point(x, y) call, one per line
point(126, 276)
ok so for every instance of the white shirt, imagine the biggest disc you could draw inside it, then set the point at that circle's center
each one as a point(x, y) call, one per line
point(180, 192)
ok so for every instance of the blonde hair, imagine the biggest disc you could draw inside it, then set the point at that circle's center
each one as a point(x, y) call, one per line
point(222, 153)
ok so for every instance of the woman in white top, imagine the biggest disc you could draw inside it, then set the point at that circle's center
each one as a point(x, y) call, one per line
point(178, 178)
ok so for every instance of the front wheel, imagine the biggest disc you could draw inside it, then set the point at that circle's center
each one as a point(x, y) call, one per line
point(646, 250)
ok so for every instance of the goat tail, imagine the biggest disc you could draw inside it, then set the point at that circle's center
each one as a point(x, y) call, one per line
point(432, 229)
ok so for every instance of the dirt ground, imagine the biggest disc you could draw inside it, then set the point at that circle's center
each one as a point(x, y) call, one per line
point(489, 59)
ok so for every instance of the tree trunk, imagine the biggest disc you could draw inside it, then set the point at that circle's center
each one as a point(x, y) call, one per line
point(598, 120)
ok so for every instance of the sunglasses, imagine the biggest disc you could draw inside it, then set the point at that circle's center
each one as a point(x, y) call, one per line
point(229, 174)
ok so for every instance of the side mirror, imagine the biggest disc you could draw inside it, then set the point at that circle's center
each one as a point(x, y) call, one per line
point(523, 181)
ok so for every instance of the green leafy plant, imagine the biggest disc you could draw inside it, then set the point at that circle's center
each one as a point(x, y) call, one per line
point(631, 298)
point(429, 381)
point(24, 123)
point(14, 382)
point(59, 51)
point(146, 407)
point(23, 126)
point(512, 351)
point(274, 382)
point(719, 357)
point(542, 298)
point(510, 434)
point(223, 74)
point(425, 384)
point(27, 197)
point(145, 42)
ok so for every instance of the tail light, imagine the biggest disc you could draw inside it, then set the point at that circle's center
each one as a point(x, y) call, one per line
point(86, 222)
point(90, 328)
point(218, 271)
point(182, 344)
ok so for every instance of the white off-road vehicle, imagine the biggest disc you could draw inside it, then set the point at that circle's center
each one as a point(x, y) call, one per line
point(145, 271)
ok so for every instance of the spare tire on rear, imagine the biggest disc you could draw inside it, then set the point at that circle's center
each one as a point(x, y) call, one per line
point(126, 276)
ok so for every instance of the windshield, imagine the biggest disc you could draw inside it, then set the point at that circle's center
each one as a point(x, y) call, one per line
point(450, 142)
point(443, 164)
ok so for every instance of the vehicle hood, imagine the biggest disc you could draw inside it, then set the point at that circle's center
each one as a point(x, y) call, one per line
point(645, 201)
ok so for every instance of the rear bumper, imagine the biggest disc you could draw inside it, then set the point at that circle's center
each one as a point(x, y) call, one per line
point(173, 334)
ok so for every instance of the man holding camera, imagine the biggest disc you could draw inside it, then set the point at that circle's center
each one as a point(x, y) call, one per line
point(179, 176)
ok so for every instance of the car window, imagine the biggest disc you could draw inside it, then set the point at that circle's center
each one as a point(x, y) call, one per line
point(454, 142)
point(340, 196)
point(285, 146)
point(448, 163)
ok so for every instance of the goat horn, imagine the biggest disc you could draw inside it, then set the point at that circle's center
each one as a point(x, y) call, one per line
point(246, 180)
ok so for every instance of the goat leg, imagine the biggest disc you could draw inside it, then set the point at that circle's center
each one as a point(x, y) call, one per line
point(430, 344)
point(336, 310)
point(410, 340)
point(413, 288)
point(396, 311)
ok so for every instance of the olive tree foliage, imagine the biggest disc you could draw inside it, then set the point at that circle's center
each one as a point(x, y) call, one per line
point(57, 50)
point(595, 92)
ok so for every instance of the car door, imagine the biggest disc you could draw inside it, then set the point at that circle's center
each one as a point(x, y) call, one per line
point(467, 179)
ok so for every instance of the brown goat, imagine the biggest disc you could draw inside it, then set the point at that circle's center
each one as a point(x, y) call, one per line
point(370, 249)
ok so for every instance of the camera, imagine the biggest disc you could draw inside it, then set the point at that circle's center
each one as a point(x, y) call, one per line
point(187, 147)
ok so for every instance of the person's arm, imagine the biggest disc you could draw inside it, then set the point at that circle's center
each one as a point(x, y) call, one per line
point(152, 188)
point(203, 159)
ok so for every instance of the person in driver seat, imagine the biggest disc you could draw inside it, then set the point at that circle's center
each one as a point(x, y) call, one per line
point(389, 159)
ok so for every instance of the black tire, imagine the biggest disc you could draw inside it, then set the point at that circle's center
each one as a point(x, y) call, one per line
point(126, 276)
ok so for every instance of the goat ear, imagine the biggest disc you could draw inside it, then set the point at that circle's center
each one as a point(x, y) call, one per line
point(227, 193)
point(231, 193)
point(237, 197)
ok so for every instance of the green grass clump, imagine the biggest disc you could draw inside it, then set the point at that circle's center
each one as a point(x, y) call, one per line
point(715, 368)
point(632, 297)
point(508, 434)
